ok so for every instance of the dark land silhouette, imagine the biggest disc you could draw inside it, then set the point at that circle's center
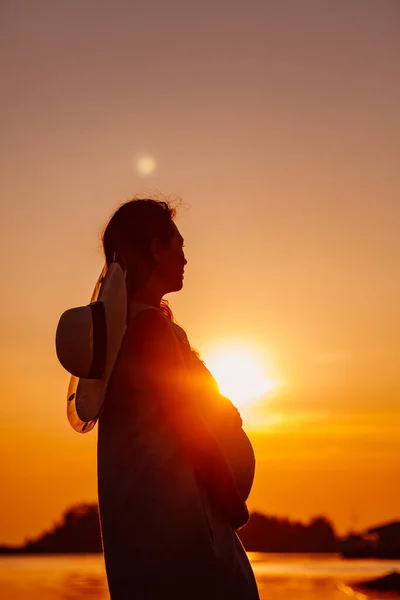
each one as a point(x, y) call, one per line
point(382, 541)
point(79, 532)
point(274, 534)
point(387, 583)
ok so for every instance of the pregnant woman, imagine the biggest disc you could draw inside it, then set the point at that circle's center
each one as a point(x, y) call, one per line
point(174, 464)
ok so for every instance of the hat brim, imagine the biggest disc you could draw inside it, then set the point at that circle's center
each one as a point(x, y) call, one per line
point(86, 396)
point(72, 413)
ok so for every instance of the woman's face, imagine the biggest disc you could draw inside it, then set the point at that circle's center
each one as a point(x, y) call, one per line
point(171, 262)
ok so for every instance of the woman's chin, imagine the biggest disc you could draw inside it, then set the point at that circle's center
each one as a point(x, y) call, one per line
point(176, 286)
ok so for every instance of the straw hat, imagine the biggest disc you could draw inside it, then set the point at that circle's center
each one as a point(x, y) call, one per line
point(88, 340)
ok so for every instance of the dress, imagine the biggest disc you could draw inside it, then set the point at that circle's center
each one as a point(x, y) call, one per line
point(162, 535)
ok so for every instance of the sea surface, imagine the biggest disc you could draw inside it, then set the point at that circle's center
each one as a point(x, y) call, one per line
point(279, 577)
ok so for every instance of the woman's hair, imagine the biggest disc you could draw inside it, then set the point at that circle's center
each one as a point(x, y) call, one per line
point(130, 232)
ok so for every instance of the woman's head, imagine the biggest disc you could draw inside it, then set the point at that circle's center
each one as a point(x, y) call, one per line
point(142, 236)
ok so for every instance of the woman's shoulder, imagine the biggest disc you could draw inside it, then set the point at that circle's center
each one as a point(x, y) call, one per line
point(148, 320)
point(180, 334)
point(155, 338)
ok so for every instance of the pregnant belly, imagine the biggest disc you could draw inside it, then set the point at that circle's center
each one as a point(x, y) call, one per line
point(240, 454)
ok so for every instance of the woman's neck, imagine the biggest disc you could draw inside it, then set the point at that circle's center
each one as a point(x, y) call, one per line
point(146, 296)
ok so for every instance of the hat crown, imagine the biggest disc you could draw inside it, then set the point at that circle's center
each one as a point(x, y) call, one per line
point(74, 341)
point(88, 340)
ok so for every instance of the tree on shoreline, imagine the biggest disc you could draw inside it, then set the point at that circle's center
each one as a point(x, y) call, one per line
point(274, 534)
point(79, 532)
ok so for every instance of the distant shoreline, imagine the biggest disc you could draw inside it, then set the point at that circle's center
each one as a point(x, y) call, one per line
point(78, 532)
point(17, 551)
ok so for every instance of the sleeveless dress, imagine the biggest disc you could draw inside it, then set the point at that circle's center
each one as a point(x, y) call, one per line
point(162, 536)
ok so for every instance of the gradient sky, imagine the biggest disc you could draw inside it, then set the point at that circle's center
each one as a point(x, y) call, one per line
point(277, 122)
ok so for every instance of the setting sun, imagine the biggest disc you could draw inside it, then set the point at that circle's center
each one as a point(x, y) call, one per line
point(240, 374)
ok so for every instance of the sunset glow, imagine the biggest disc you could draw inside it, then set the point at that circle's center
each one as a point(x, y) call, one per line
point(274, 131)
point(240, 374)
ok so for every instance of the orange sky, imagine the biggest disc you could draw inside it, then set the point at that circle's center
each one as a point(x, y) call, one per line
point(277, 122)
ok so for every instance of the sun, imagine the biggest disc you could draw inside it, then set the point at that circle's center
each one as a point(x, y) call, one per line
point(145, 164)
point(240, 373)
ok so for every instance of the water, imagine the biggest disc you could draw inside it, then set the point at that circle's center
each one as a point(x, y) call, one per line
point(279, 577)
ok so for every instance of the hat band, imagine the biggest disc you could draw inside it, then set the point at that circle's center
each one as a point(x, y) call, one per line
point(99, 340)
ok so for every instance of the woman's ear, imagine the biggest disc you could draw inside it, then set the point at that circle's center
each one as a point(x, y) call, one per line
point(156, 249)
